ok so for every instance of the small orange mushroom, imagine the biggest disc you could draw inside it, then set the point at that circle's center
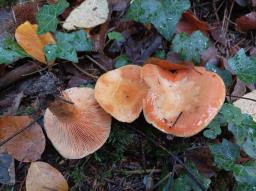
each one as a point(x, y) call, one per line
point(184, 102)
point(120, 92)
point(79, 129)
point(27, 37)
point(168, 65)
point(42, 176)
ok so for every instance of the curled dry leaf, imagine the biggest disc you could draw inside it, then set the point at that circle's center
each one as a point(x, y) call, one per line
point(42, 176)
point(190, 23)
point(120, 92)
point(247, 22)
point(28, 145)
point(79, 129)
point(184, 102)
point(87, 15)
point(27, 37)
point(247, 106)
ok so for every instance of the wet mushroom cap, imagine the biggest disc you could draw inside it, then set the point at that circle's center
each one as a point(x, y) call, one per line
point(42, 176)
point(79, 129)
point(184, 102)
point(120, 92)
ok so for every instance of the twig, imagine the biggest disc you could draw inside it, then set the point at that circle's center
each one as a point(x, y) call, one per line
point(171, 154)
point(142, 171)
point(83, 71)
point(241, 97)
point(215, 10)
point(176, 120)
point(64, 100)
point(97, 63)
point(19, 131)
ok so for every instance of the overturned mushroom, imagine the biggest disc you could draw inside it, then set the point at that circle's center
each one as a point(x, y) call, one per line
point(27, 37)
point(42, 176)
point(79, 129)
point(184, 102)
point(120, 92)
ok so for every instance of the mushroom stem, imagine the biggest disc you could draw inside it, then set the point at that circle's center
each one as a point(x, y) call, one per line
point(63, 108)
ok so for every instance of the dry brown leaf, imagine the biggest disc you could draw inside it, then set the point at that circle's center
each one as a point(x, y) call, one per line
point(87, 15)
point(190, 23)
point(28, 145)
point(247, 106)
point(42, 176)
point(247, 22)
point(27, 37)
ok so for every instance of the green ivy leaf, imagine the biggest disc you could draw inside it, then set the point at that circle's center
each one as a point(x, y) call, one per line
point(47, 16)
point(160, 54)
point(115, 36)
point(190, 48)
point(244, 67)
point(11, 52)
point(67, 46)
point(185, 183)
point(224, 154)
point(232, 114)
point(224, 74)
point(245, 173)
point(213, 129)
point(163, 14)
point(121, 60)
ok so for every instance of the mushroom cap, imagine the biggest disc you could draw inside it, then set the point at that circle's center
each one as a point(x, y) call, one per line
point(81, 133)
point(168, 65)
point(33, 44)
point(184, 102)
point(120, 92)
point(31, 142)
point(42, 176)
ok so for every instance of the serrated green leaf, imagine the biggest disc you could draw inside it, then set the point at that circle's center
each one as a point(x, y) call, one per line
point(163, 14)
point(190, 48)
point(245, 173)
point(244, 67)
point(67, 45)
point(121, 60)
point(160, 54)
point(224, 74)
point(232, 114)
point(213, 129)
point(115, 36)
point(224, 154)
point(185, 183)
point(47, 16)
point(11, 52)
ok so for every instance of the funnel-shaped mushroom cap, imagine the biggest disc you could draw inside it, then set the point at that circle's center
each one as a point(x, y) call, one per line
point(182, 103)
point(79, 129)
point(42, 176)
point(120, 92)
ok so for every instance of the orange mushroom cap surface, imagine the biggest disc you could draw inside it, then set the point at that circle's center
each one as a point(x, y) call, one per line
point(120, 92)
point(184, 102)
point(33, 44)
point(28, 145)
point(79, 129)
point(42, 176)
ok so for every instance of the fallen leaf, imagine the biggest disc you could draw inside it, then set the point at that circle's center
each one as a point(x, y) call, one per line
point(247, 106)
point(218, 35)
point(119, 5)
point(247, 22)
point(254, 3)
point(87, 15)
point(42, 176)
point(7, 171)
point(190, 23)
point(239, 90)
point(28, 145)
point(242, 3)
point(209, 54)
point(27, 37)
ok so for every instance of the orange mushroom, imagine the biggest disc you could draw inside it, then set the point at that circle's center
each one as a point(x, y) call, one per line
point(168, 65)
point(79, 129)
point(42, 176)
point(184, 102)
point(120, 92)
point(26, 146)
point(27, 37)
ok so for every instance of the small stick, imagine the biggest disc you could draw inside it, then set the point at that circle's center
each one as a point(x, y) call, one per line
point(83, 71)
point(176, 120)
point(64, 100)
point(246, 98)
point(97, 63)
point(19, 131)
